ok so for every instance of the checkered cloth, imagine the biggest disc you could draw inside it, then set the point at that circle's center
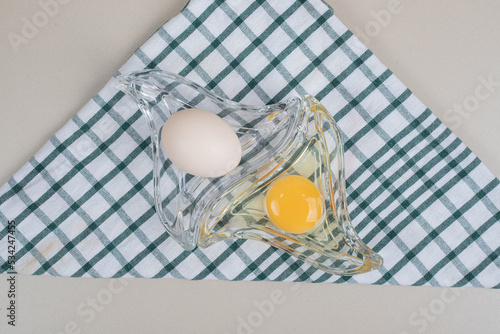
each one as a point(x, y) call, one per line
point(83, 204)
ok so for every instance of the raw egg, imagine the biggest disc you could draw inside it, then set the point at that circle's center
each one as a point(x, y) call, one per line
point(200, 143)
point(294, 204)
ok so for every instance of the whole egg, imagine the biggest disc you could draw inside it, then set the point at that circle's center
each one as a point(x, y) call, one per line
point(200, 143)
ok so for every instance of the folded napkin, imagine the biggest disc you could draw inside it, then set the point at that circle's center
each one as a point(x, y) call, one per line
point(83, 204)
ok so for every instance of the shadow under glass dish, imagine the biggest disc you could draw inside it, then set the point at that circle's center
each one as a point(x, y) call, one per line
point(294, 137)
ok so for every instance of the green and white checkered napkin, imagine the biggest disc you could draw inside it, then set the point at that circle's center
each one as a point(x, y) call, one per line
point(83, 204)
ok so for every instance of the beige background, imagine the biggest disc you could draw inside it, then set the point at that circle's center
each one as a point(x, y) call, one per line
point(440, 49)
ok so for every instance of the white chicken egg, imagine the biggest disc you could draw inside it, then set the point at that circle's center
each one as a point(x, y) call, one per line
point(200, 143)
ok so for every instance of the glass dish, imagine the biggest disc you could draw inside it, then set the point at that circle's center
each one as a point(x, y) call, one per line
point(294, 137)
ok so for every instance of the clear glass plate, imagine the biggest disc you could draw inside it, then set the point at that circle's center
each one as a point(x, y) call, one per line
point(294, 137)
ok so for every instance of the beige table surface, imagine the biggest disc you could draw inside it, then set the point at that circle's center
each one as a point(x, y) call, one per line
point(441, 49)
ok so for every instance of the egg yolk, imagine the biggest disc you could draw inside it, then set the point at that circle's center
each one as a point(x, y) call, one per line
point(293, 203)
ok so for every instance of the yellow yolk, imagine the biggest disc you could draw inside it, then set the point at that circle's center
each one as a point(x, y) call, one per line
point(294, 204)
